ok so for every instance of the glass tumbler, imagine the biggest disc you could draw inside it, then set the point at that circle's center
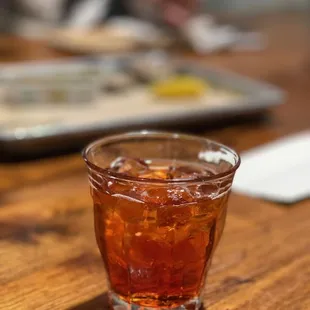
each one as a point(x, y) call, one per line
point(160, 202)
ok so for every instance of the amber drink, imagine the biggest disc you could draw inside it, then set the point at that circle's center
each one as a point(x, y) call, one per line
point(160, 204)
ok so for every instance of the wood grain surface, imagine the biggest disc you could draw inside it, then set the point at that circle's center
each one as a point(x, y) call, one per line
point(48, 255)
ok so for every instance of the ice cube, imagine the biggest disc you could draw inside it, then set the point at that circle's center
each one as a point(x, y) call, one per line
point(145, 250)
point(130, 166)
point(186, 172)
point(160, 196)
point(156, 174)
point(207, 191)
point(184, 252)
point(180, 195)
point(129, 209)
point(173, 216)
point(156, 196)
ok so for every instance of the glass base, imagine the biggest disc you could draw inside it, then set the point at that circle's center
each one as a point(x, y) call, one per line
point(119, 304)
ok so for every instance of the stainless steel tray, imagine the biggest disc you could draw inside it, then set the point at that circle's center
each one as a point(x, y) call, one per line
point(25, 132)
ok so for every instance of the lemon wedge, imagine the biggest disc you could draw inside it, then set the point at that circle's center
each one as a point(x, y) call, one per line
point(180, 86)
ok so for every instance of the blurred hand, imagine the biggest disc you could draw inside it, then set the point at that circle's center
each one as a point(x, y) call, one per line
point(177, 12)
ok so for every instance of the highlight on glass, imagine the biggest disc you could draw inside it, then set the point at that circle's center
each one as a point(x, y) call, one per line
point(160, 202)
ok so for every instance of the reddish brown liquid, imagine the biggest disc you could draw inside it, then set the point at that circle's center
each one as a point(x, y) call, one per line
point(157, 241)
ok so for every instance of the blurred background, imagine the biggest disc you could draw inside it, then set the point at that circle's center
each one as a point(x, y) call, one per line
point(252, 6)
point(21, 12)
point(234, 71)
point(72, 70)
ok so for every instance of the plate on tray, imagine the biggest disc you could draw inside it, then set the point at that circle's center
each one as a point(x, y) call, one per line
point(28, 129)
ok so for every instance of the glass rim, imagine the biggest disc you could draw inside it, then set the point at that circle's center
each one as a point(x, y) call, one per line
point(157, 134)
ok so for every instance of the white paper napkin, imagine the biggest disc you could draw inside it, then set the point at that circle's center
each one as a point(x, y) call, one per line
point(279, 171)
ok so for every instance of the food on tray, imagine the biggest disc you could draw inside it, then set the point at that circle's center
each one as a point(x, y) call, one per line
point(180, 86)
point(52, 94)
point(117, 82)
point(93, 41)
point(51, 90)
point(151, 68)
point(60, 82)
point(116, 35)
point(151, 75)
point(147, 73)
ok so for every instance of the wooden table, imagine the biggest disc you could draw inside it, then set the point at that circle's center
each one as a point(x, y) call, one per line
point(48, 256)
